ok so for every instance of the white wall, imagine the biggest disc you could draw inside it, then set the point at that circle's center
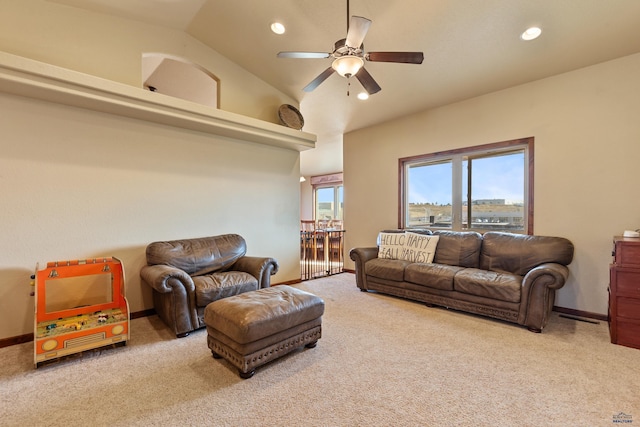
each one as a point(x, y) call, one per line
point(77, 184)
point(587, 148)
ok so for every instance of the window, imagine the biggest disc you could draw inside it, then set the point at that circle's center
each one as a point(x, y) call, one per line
point(328, 197)
point(329, 203)
point(491, 184)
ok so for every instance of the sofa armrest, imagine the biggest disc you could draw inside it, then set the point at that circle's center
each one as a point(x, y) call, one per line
point(360, 256)
point(555, 276)
point(261, 268)
point(164, 278)
point(538, 294)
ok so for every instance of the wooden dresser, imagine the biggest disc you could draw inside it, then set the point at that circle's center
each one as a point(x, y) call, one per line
point(624, 292)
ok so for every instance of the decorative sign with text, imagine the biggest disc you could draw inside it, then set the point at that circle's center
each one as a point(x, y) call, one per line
point(390, 245)
point(413, 247)
point(419, 247)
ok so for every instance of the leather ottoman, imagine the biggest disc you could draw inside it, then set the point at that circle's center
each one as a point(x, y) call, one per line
point(253, 328)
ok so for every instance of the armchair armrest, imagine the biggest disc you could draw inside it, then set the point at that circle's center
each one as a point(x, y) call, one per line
point(174, 297)
point(262, 268)
point(361, 256)
point(538, 294)
point(164, 278)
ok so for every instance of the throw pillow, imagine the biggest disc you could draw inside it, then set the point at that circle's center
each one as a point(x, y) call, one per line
point(390, 245)
point(419, 247)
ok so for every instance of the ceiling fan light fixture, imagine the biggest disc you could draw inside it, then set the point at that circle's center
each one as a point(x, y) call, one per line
point(349, 56)
point(348, 65)
point(363, 96)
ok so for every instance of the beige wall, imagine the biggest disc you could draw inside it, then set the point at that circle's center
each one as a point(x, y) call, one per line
point(112, 48)
point(587, 146)
point(78, 184)
point(306, 199)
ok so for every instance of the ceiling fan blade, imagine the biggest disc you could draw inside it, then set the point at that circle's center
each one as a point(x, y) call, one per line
point(367, 82)
point(303, 55)
point(316, 82)
point(358, 27)
point(403, 57)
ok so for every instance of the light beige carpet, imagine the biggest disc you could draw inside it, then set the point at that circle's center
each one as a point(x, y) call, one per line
point(382, 361)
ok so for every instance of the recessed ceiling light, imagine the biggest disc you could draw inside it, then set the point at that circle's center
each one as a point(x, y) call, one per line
point(363, 95)
point(277, 28)
point(531, 33)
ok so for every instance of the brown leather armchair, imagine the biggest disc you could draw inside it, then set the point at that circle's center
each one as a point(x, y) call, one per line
point(186, 275)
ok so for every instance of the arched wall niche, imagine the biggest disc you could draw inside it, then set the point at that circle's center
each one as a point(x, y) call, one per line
point(180, 78)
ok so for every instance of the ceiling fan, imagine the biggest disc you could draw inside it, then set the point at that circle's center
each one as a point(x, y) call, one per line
point(349, 56)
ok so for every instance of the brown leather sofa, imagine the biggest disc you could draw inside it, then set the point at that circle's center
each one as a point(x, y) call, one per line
point(506, 276)
point(186, 275)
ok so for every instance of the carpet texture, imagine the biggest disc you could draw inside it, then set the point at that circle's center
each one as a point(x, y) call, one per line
point(381, 361)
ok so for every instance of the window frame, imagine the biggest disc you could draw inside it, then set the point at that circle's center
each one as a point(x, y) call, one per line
point(334, 181)
point(527, 144)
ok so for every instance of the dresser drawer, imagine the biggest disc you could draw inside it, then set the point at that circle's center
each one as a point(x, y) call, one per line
point(626, 281)
point(627, 251)
point(628, 308)
point(628, 333)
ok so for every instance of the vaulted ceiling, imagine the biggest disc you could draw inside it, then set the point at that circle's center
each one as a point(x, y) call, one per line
point(470, 48)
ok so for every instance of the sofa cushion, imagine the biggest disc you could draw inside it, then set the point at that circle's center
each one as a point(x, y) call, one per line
point(488, 284)
point(438, 276)
point(215, 286)
point(391, 269)
point(419, 247)
point(458, 248)
point(519, 253)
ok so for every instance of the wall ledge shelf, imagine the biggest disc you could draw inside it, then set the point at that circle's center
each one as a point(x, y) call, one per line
point(38, 80)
